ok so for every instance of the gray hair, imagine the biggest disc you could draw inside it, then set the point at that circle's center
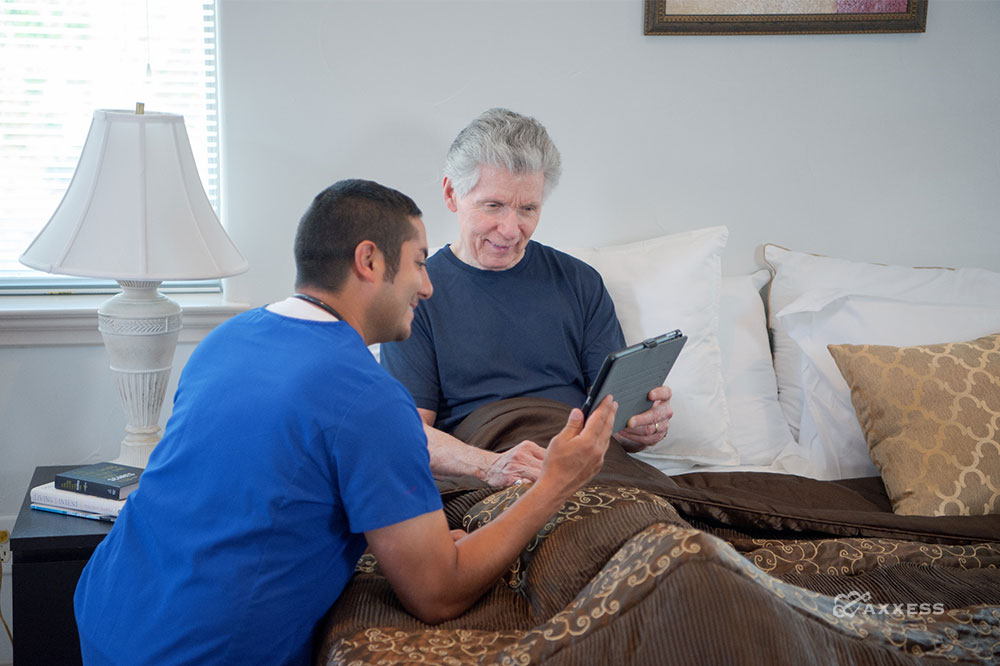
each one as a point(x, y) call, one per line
point(503, 139)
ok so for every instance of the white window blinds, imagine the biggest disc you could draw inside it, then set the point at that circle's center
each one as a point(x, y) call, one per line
point(62, 59)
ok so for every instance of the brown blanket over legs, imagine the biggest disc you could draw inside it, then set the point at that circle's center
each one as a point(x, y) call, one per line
point(740, 568)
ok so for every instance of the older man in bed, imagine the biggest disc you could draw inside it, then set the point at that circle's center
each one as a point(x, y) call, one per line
point(289, 450)
point(510, 317)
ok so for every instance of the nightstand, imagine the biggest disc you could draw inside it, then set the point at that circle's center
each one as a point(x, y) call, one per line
point(49, 552)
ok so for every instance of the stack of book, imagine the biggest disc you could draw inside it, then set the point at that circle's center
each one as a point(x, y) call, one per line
point(97, 491)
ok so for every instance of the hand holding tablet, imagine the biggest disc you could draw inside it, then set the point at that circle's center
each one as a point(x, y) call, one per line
point(631, 373)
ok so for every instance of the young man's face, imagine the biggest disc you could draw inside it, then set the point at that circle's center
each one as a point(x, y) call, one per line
point(392, 311)
point(497, 217)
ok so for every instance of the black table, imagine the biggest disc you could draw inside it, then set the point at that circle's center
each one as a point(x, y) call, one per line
point(49, 552)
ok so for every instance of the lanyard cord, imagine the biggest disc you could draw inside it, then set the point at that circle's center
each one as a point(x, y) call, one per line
point(318, 303)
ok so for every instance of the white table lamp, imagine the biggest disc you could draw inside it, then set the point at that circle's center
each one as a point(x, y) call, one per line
point(135, 211)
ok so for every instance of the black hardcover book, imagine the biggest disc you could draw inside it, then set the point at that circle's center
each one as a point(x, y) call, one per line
point(104, 479)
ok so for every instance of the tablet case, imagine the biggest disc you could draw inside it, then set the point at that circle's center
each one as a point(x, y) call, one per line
point(631, 373)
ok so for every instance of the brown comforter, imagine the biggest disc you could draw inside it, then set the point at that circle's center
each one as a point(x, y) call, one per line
point(737, 568)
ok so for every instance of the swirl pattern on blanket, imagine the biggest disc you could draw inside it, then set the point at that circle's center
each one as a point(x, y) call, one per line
point(619, 577)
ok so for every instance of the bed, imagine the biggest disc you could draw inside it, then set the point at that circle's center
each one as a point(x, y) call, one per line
point(788, 518)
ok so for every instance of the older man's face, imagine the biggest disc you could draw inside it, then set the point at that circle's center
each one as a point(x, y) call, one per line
point(497, 217)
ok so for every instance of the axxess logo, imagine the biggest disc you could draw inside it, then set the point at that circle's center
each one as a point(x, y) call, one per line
point(853, 603)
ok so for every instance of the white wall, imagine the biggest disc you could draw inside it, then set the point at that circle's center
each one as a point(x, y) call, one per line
point(872, 147)
point(875, 147)
point(63, 409)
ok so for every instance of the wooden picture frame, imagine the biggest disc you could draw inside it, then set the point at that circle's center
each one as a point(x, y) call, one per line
point(745, 17)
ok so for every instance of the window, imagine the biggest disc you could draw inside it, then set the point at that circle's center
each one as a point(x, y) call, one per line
point(60, 60)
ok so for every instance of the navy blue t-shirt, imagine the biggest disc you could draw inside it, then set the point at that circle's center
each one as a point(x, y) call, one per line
point(539, 329)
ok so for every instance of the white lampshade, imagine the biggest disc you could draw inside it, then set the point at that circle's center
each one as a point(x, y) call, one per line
point(135, 208)
point(135, 212)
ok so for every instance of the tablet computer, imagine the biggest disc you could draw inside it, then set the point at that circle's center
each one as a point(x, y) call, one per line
point(631, 373)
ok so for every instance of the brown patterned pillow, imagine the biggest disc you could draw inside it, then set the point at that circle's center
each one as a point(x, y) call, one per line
point(931, 417)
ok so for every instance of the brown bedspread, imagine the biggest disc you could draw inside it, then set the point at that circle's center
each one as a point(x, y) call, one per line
point(740, 568)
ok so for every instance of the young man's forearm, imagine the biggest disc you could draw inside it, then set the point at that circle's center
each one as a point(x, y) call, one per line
point(482, 556)
point(437, 578)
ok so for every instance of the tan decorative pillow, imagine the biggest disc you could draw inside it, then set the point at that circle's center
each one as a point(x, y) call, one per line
point(931, 417)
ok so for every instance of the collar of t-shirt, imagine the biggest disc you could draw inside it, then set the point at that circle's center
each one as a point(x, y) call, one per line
point(299, 309)
point(521, 265)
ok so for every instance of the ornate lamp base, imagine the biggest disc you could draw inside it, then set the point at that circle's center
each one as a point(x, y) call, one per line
point(140, 327)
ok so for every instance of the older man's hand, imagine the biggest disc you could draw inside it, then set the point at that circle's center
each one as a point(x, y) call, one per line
point(521, 464)
point(649, 427)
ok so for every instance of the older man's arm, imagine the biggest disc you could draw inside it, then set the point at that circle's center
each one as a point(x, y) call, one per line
point(453, 457)
point(650, 426)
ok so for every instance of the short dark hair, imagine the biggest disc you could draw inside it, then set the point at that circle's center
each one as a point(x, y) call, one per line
point(339, 219)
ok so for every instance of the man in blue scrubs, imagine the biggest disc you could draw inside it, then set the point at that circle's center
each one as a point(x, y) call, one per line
point(289, 451)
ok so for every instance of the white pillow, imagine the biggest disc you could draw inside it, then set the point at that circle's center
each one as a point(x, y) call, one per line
point(674, 282)
point(830, 438)
point(798, 273)
point(758, 427)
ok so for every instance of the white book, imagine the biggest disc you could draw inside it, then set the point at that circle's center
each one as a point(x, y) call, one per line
point(67, 499)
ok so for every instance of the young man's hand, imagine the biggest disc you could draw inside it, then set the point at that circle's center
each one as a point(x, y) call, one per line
point(576, 454)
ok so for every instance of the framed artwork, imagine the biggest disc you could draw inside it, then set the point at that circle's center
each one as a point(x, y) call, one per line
point(767, 17)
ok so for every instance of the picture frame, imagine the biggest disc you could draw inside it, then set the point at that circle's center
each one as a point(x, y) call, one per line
point(747, 17)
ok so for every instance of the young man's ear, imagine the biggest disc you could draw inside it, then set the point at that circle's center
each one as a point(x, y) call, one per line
point(369, 262)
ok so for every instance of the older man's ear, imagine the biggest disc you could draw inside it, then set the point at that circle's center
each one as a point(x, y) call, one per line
point(450, 197)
